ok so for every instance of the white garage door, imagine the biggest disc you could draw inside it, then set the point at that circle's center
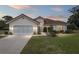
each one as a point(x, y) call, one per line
point(23, 29)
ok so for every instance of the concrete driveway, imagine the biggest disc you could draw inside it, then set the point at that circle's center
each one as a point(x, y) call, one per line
point(13, 44)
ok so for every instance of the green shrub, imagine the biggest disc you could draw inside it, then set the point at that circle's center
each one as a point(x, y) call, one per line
point(55, 31)
point(72, 27)
point(10, 33)
point(5, 32)
point(69, 31)
point(61, 31)
point(53, 34)
point(39, 32)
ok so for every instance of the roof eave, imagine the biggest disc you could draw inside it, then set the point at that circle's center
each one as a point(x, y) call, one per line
point(25, 16)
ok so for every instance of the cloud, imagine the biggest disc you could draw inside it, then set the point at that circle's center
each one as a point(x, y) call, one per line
point(55, 17)
point(19, 7)
point(57, 8)
point(30, 15)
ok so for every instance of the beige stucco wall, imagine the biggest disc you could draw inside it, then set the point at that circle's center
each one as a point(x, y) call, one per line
point(41, 23)
point(60, 27)
point(22, 21)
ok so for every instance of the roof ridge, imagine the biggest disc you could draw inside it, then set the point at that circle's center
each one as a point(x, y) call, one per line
point(21, 15)
point(39, 17)
point(55, 20)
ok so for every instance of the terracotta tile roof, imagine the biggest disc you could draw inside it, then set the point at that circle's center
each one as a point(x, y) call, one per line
point(53, 22)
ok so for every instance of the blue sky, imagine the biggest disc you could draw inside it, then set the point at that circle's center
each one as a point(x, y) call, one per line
point(51, 11)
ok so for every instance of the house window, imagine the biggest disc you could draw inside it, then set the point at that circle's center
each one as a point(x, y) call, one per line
point(58, 27)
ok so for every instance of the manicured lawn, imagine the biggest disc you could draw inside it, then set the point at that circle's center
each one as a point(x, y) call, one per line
point(45, 45)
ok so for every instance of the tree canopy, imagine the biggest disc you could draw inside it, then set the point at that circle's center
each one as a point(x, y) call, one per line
point(7, 18)
point(73, 20)
point(3, 25)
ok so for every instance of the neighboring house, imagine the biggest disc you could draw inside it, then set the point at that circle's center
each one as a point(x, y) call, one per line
point(24, 25)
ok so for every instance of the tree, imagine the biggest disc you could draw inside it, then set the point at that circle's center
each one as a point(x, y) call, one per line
point(74, 9)
point(7, 18)
point(73, 20)
point(2, 24)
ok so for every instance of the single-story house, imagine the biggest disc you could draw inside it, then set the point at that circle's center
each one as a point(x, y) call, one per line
point(24, 25)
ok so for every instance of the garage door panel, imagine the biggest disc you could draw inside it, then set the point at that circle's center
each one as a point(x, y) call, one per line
point(23, 29)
